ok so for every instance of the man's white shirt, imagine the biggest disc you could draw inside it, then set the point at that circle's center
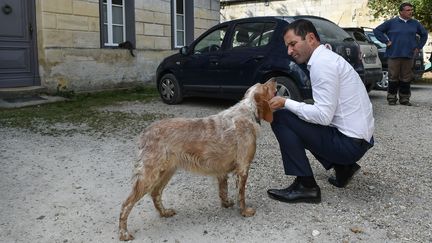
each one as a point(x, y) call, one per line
point(340, 97)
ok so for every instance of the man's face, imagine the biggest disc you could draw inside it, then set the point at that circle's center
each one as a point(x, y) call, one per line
point(407, 12)
point(300, 50)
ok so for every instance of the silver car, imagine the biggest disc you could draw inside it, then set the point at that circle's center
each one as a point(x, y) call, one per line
point(370, 58)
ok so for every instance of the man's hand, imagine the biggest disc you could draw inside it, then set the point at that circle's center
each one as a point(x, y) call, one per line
point(389, 43)
point(416, 51)
point(277, 102)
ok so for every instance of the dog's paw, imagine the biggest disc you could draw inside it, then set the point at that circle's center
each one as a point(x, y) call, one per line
point(228, 204)
point(248, 212)
point(168, 213)
point(125, 236)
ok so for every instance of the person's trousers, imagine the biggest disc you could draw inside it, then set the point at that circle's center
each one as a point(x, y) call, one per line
point(327, 144)
point(400, 75)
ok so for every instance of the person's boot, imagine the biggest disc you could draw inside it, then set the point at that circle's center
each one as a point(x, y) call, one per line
point(392, 92)
point(405, 93)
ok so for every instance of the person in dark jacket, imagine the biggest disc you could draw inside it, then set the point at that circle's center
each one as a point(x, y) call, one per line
point(399, 34)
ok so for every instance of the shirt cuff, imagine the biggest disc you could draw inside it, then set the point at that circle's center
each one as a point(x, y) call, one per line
point(292, 105)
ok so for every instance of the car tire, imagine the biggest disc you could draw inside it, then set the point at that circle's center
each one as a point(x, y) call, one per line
point(170, 90)
point(287, 88)
point(383, 83)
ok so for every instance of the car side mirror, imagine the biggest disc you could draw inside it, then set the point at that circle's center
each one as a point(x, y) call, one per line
point(184, 50)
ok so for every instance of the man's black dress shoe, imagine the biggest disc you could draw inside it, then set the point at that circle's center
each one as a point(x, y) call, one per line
point(344, 174)
point(296, 192)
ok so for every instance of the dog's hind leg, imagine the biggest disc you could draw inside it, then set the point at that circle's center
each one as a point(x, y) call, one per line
point(157, 190)
point(223, 191)
point(139, 189)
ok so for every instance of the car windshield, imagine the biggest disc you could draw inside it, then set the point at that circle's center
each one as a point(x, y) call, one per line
point(328, 31)
point(375, 40)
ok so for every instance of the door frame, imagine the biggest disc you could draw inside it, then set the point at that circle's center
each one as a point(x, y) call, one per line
point(33, 78)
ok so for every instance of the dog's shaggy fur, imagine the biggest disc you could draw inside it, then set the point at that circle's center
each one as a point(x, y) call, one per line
point(215, 145)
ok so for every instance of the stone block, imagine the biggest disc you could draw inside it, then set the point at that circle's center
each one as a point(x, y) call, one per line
point(93, 24)
point(153, 29)
point(162, 18)
point(162, 43)
point(49, 21)
point(71, 22)
point(139, 28)
point(84, 39)
point(57, 38)
point(57, 6)
point(144, 16)
point(85, 8)
point(144, 42)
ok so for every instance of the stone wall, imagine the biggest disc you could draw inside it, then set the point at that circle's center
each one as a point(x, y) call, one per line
point(69, 53)
point(345, 13)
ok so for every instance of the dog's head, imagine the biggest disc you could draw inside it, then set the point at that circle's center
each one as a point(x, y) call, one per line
point(262, 93)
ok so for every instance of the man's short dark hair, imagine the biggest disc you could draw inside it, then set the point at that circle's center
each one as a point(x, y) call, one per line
point(301, 28)
point(403, 5)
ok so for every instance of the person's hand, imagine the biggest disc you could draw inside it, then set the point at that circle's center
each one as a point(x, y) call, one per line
point(277, 102)
point(389, 43)
point(416, 51)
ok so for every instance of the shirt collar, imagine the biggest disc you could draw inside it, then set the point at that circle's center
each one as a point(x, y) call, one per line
point(404, 20)
point(315, 55)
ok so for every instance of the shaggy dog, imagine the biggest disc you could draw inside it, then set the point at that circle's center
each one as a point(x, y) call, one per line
point(215, 145)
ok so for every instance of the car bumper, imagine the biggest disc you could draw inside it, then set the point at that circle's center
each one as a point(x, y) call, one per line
point(373, 75)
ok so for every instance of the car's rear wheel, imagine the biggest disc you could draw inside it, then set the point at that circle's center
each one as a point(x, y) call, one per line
point(287, 88)
point(383, 83)
point(169, 89)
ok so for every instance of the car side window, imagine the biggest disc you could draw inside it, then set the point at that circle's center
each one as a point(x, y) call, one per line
point(252, 35)
point(211, 42)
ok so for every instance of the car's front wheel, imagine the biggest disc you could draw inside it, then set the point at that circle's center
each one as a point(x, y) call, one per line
point(169, 89)
point(287, 88)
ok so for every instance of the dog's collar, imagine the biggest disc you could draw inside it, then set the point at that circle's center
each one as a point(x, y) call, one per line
point(257, 119)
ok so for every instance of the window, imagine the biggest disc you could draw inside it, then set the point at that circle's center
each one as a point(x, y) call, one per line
point(117, 22)
point(211, 42)
point(179, 24)
point(182, 22)
point(328, 31)
point(252, 34)
point(358, 36)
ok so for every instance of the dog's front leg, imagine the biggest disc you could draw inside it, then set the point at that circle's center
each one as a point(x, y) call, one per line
point(223, 191)
point(246, 212)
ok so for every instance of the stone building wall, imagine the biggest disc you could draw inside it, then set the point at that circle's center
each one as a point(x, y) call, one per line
point(345, 13)
point(69, 52)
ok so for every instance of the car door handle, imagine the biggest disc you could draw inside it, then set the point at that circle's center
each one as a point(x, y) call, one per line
point(214, 61)
point(258, 57)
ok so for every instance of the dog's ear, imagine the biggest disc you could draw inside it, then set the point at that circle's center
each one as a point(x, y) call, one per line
point(267, 112)
point(264, 110)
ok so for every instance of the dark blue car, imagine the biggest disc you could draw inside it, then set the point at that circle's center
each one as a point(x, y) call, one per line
point(232, 56)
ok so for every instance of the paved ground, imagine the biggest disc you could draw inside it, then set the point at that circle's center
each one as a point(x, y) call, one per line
point(69, 188)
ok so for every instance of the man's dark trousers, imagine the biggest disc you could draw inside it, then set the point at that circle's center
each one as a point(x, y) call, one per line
point(327, 144)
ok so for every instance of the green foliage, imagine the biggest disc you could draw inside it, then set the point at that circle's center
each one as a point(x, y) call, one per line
point(390, 8)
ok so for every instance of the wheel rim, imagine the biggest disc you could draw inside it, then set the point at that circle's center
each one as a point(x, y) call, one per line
point(167, 89)
point(383, 83)
point(282, 91)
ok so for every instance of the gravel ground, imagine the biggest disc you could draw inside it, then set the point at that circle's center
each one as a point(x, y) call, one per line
point(69, 188)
